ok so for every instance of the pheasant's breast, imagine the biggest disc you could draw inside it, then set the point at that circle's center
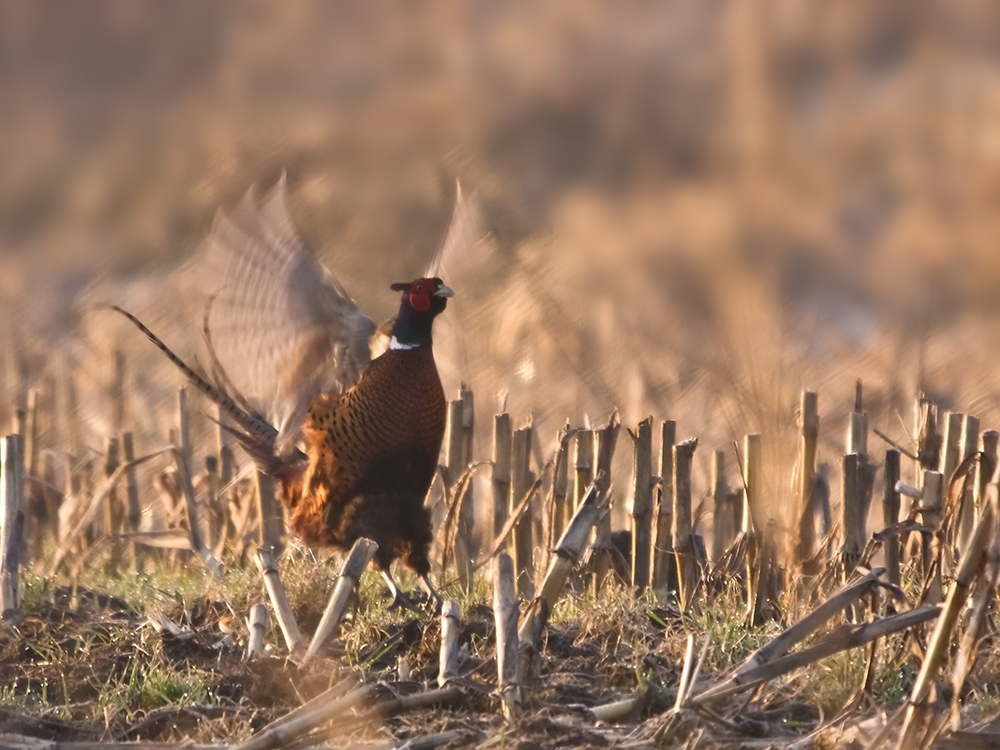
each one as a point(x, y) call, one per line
point(381, 436)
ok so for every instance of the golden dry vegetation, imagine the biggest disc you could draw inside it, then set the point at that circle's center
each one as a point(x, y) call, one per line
point(694, 209)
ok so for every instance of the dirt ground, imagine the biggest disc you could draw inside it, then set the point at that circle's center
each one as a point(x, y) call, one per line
point(59, 664)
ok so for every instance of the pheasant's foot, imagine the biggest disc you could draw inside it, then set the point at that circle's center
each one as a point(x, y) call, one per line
point(433, 597)
point(399, 599)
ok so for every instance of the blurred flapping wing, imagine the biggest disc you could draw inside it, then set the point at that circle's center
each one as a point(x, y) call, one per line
point(281, 326)
point(468, 265)
point(455, 258)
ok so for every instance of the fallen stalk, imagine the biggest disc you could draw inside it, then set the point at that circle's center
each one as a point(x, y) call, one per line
point(284, 731)
point(783, 643)
point(918, 711)
point(841, 639)
point(383, 709)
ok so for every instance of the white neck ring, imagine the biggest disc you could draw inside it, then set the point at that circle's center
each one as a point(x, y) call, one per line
point(394, 344)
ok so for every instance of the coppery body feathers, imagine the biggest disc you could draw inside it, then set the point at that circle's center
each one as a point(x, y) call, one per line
point(373, 447)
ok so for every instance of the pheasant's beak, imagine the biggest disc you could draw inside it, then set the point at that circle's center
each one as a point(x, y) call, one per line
point(444, 292)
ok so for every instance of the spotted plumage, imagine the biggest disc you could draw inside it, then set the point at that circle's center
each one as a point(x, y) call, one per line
point(372, 456)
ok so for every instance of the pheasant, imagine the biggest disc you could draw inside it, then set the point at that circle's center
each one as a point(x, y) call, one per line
point(282, 331)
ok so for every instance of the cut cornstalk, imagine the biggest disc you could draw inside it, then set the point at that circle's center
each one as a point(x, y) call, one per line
point(29, 439)
point(521, 481)
point(927, 444)
point(952, 445)
point(269, 512)
point(853, 515)
point(225, 453)
point(216, 516)
point(754, 516)
point(683, 533)
point(641, 507)
point(279, 599)
point(722, 529)
point(583, 462)
point(529, 639)
point(981, 600)
point(11, 521)
point(194, 529)
point(572, 544)
point(857, 436)
point(118, 380)
point(467, 511)
point(500, 541)
point(890, 514)
point(455, 461)
point(607, 439)
point(502, 441)
point(450, 630)
point(134, 514)
point(804, 549)
point(987, 464)
point(663, 545)
point(967, 510)
point(112, 507)
point(567, 554)
point(34, 535)
point(932, 506)
point(505, 611)
point(561, 511)
point(350, 573)
point(257, 624)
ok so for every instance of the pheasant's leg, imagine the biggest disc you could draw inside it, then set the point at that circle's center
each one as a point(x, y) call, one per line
point(399, 599)
point(433, 595)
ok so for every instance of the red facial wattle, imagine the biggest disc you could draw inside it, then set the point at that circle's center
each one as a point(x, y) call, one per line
point(420, 300)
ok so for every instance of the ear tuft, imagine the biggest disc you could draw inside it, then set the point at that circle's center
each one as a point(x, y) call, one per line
point(402, 286)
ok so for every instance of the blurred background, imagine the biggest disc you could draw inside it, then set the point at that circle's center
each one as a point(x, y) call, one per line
point(694, 208)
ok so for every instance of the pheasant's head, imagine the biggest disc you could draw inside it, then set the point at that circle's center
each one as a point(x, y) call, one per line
point(422, 301)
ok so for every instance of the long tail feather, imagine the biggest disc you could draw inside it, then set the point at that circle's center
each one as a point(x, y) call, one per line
point(217, 372)
point(258, 429)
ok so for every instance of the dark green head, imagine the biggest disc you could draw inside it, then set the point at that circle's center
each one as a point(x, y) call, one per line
point(422, 301)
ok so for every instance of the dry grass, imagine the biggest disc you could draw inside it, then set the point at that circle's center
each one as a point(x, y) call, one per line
point(96, 669)
point(695, 211)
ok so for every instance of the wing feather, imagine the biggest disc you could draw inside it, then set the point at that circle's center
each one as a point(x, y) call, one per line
point(468, 263)
point(283, 328)
point(456, 257)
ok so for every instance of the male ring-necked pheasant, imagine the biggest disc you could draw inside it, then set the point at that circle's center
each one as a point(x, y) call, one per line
point(281, 330)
